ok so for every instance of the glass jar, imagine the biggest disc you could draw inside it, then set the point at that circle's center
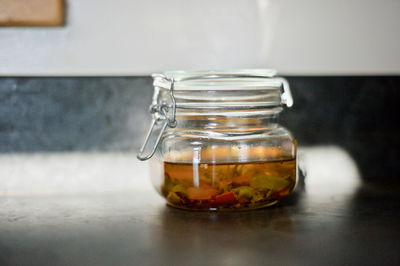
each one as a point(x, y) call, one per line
point(217, 142)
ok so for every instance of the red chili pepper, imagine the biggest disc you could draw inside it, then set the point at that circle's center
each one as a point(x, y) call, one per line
point(225, 199)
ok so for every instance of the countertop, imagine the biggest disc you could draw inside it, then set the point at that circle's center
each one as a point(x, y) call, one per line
point(100, 209)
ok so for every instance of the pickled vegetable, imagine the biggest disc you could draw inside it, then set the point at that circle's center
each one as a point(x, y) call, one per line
point(211, 186)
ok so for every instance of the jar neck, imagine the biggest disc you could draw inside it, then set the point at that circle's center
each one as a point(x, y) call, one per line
point(214, 122)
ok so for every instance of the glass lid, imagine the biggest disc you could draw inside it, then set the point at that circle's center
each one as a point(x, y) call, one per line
point(241, 79)
point(232, 89)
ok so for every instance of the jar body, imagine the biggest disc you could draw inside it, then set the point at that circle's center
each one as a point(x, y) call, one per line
point(225, 163)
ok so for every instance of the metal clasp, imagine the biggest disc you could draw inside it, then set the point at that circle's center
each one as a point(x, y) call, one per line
point(160, 116)
point(286, 97)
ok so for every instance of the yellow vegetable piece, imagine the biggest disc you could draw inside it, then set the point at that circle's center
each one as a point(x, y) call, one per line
point(173, 198)
point(244, 192)
point(178, 188)
point(247, 193)
point(167, 186)
point(263, 182)
point(260, 196)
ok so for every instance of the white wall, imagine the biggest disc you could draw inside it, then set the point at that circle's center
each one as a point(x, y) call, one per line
point(126, 37)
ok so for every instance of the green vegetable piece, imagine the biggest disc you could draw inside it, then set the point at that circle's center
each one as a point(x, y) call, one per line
point(247, 193)
point(263, 182)
point(178, 188)
point(168, 182)
point(173, 198)
point(259, 196)
point(244, 192)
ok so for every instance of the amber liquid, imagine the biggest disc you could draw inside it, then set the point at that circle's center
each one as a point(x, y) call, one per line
point(228, 186)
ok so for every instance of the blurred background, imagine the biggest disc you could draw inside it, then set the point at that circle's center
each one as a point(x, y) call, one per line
point(75, 86)
point(122, 37)
point(80, 80)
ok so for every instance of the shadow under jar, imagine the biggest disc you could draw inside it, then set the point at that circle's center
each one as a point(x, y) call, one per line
point(217, 142)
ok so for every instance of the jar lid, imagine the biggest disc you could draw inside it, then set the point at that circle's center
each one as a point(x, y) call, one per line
point(222, 89)
point(242, 79)
point(232, 90)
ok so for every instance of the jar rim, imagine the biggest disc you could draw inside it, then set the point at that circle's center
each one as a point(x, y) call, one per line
point(219, 80)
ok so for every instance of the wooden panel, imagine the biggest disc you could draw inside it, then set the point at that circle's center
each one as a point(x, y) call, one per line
point(31, 12)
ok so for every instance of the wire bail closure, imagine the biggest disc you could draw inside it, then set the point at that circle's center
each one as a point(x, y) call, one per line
point(160, 116)
point(286, 97)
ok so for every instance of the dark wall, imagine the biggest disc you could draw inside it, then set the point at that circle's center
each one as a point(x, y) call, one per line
point(356, 113)
point(64, 114)
point(110, 113)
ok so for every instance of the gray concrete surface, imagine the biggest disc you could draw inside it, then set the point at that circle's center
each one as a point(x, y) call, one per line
point(333, 218)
